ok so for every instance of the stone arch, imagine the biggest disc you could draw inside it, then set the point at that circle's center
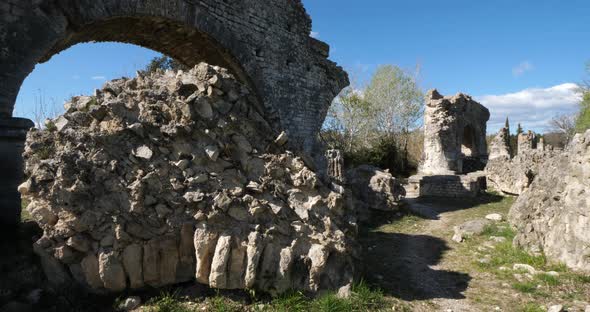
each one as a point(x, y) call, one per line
point(265, 43)
point(468, 141)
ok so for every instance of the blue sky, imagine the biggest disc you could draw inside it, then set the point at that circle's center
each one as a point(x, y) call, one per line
point(519, 58)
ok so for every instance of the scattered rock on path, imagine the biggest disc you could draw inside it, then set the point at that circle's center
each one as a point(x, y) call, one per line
point(524, 267)
point(555, 308)
point(345, 291)
point(494, 217)
point(130, 303)
point(469, 228)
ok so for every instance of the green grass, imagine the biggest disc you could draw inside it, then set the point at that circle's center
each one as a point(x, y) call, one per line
point(504, 254)
point(525, 287)
point(45, 152)
point(363, 298)
point(547, 279)
point(222, 304)
point(166, 303)
point(531, 307)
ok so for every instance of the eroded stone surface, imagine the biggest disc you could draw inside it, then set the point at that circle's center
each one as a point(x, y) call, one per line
point(500, 146)
point(514, 175)
point(136, 196)
point(454, 134)
point(552, 214)
point(374, 188)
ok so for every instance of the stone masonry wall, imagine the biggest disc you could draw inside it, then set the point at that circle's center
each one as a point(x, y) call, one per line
point(553, 214)
point(457, 186)
point(177, 177)
point(446, 121)
point(264, 43)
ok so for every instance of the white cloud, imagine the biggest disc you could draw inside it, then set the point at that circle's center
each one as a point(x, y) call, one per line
point(315, 34)
point(98, 78)
point(532, 108)
point(522, 68)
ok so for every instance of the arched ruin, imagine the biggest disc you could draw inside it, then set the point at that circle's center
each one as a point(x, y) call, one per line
point(455, 147)
point(265, 43)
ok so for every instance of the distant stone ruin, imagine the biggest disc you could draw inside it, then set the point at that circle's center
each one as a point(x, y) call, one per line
point(500, 146)
point(513, 175)
point(527, 142)
point(455, 147)
point(177, 177)
point(454, 135)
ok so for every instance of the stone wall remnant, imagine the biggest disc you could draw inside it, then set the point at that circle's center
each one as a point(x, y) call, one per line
point(500, 146)
point(266, 44)
point(512, 176)
point(176, 177)
point(552, 215)
point(454, 147)
point(454, 186)
point(527, 142)
point(454, 135)
point(374, 188)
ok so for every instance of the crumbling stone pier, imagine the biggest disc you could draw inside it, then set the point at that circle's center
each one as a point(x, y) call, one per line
point(266, 45)
point(455, 147)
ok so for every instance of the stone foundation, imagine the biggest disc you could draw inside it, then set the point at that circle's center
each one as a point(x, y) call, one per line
point(456, 186)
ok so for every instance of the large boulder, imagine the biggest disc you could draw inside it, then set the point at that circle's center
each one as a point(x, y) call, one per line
point(172, 177)
point(553, 215)
point(374, 188)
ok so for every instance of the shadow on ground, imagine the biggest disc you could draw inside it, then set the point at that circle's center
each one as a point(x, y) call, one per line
point(404, 265)
point(399, 264)
point(432, 207)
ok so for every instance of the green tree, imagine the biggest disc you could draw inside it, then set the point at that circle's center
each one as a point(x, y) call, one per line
point(583, 117)
point(164, 63)
point(507, 124)
point(348, 120)
point(398, 104)
point(519, 130)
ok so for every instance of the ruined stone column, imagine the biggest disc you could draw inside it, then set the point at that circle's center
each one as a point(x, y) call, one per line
point(335, 165)
point(454, 130)
point(13, 132)
point(526, 142)
point(500, 146)
point(541, 144)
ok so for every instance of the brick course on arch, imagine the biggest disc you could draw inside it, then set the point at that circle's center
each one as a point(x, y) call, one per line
point(265, 43)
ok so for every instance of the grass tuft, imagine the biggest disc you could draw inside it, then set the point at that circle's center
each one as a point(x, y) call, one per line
point(547, 279)
point(525, 287)
point(531, 307)
point(166, 303)
point(363, 298)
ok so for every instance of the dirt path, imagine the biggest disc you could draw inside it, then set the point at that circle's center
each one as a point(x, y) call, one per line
point(412, 259)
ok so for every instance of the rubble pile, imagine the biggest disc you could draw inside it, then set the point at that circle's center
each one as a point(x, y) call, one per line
point(173, 177)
